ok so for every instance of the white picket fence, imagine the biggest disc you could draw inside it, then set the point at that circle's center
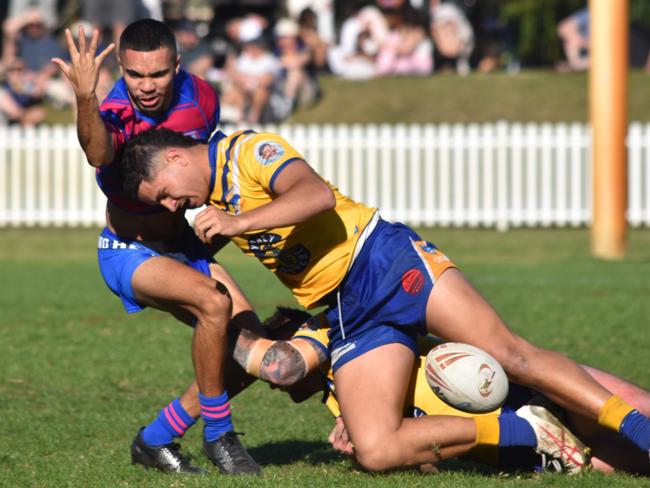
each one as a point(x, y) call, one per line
point(499, 174)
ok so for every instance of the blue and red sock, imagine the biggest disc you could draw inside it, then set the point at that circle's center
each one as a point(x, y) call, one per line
point(215, 412)
point(172, 421)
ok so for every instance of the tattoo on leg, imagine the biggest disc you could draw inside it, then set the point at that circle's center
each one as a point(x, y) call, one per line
point(243, 346)
point(282, 365)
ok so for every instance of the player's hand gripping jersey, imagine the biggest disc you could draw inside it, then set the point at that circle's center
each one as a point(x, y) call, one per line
point(194, 111)
point(310, 258)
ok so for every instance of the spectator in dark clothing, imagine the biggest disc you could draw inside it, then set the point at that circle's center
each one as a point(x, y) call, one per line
point(196, 54)
point(28, 39)
point(18, 104)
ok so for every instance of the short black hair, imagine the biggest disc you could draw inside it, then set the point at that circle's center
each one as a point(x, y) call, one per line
point(148, 35)
point(137, 157)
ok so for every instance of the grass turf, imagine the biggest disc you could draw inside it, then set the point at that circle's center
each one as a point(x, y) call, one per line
point(530, 96)
point(79, 376)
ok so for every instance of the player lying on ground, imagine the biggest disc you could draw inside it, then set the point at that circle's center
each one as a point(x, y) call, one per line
point(302, 366)
point(383, 285)
point(147, 255)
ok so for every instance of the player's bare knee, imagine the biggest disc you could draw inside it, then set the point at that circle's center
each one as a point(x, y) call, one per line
point(377, 450)
point(282, 364)
point(213, 305)
point(372, 457)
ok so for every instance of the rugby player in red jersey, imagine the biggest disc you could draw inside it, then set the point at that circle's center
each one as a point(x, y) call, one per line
point(149, 256)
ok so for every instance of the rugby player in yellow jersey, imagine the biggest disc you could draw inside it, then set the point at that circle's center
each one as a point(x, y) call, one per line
point(383, 286)
point(302, 366)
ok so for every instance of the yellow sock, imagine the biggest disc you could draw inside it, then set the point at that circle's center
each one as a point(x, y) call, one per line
point(487, 429)
point(613, 412)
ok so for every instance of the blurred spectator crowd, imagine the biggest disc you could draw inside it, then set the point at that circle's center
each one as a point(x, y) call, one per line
point(265, 56)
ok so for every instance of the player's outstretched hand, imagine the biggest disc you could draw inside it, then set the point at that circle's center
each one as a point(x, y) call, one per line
point(340, 439)
point(85, 63)
point(212, 222)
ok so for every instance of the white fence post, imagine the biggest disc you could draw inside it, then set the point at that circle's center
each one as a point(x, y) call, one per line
point(578, 183)
point(502, 213)
point(494, 174)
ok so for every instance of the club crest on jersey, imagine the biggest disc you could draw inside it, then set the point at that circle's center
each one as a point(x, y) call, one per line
point(268, 152)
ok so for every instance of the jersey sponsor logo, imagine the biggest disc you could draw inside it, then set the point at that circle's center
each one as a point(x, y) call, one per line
point(268, 152)
point(290, 261)
point(263, 245)
point(103, 243)
point(413, 281)
point(106, 243)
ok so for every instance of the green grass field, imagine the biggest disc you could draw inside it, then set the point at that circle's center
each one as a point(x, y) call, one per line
point(530, 96)
point(79, 376)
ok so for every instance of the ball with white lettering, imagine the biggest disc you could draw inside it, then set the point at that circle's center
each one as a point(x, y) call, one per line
point(466, 377)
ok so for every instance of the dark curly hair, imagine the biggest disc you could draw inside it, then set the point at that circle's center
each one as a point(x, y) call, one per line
point(148, 35)
point(137, 157)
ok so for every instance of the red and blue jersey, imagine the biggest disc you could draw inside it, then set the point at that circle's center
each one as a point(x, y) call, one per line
point(194, 111)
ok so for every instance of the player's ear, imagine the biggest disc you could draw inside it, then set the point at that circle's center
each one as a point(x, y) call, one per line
point(175, 156)
point(171, 156)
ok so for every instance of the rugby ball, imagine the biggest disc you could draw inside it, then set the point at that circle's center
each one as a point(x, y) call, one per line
point(466, 377)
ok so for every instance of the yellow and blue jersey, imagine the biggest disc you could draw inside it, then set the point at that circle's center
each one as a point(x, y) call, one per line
point(310, 258)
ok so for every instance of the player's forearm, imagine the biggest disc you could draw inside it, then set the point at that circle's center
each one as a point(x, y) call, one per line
point(297, 205)
point(95, 140)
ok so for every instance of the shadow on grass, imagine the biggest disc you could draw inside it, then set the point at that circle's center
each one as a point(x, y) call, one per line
point(291, 451)
point(316, 453)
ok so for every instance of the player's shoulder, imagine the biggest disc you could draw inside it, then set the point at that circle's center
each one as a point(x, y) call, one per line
point(191, 87)
point(267, 147)
point(237, 139)
point(248, 148)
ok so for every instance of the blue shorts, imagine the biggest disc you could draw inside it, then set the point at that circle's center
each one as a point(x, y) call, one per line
point(384, 295)
point(118, 259)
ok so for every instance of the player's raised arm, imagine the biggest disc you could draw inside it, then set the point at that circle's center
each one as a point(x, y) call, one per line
point(83, 74)
point(301, 194)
